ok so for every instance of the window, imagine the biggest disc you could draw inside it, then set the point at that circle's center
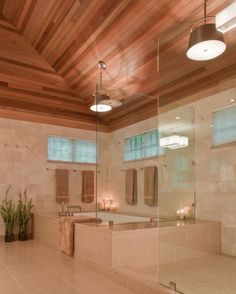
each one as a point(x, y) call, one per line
point(142, 146)
point(71, 150)
point(224, 126)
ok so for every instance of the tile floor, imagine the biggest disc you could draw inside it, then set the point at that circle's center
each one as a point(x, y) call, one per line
point(32, 268)
point(208, 275)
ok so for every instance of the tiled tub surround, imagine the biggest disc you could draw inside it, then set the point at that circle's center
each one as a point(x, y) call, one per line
point(116, 248)
point(147, 247)
point(46, 225)
point(134, 254)
point(136, 245)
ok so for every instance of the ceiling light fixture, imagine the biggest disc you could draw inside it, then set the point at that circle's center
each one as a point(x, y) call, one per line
point(226, 19)
point(100, 96)
point(232, 100)
point(174, 142)
point(205, 41)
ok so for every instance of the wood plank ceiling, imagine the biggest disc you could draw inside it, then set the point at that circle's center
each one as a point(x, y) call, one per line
point(49, 52)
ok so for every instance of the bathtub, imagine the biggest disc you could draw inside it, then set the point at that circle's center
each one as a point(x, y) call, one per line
point(117, 218)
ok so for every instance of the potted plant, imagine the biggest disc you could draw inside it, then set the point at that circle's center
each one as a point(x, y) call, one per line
point(24, 213)
point(8, 214)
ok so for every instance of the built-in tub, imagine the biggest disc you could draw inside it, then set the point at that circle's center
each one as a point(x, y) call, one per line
point(134, 241)
point(117, 218)
point(147, 244)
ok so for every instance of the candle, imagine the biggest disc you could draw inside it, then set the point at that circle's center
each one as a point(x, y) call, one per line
point(113, 207)
point(101, 205)
point(180, 214)
point(107, 204)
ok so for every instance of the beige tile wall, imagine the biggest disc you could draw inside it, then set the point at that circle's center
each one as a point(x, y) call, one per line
point(23, 160)
point(113, 168)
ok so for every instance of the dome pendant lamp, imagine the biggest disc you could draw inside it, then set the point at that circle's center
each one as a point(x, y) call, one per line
point(100, 96)
point(205, 41)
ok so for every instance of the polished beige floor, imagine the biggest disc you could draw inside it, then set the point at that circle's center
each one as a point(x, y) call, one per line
point(33, 268)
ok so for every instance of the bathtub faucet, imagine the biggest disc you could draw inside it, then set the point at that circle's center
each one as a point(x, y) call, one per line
point(62, 213)
point(70, 207)
point(62, 207)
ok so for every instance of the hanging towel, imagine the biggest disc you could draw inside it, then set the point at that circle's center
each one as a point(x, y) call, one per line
point(66, 233)
point(62, 185)
point(87, 186)
point(131, 186)
point(150, 185)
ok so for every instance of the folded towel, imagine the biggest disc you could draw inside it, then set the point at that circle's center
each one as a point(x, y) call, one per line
point(66, 233)
point(87, 186)
point(150, 185)
point(131, 186)
point(62, 185)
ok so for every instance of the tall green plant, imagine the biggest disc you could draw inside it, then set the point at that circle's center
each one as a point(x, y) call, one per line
point(8, 213)
point(24, 209)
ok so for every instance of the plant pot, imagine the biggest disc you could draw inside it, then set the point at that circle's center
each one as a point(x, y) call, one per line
point(23, 232)
point(9, 235)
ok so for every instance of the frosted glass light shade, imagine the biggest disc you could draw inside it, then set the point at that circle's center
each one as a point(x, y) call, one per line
point(100, 107)
point(174, 142)
point(205, 43)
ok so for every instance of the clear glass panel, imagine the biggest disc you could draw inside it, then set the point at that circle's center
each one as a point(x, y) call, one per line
point(177, 181)
point(197, 182)
point(124, 154)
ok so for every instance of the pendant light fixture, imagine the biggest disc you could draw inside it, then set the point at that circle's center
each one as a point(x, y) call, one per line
point(174, 142)
point(100, 96)
point(205, 41)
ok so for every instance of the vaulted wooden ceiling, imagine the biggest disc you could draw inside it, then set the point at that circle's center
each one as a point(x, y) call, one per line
point(49, 52)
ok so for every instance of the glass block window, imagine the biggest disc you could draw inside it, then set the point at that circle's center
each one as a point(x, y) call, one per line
point(224, 126)
point(71, 150)
point(84, 151)
point(142, 146)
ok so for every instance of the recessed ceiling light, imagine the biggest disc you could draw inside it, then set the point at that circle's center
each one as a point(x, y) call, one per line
point(177, 117)
point(232, 100)
point(211, 126)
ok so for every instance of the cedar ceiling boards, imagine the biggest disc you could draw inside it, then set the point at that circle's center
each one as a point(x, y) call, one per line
point(49, 52)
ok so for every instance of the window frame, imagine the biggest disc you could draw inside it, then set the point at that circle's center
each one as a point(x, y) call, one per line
point(73, 139)
point(145, 139)
point(225, 144)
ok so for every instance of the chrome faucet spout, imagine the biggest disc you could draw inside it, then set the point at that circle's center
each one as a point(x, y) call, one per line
point(62, 207)
point(70, 209)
